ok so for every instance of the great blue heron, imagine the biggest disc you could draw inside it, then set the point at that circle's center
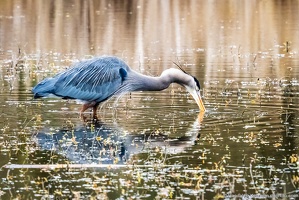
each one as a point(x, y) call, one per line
point(96, 80)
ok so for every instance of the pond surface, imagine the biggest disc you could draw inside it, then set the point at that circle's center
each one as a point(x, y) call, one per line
point(153, 145)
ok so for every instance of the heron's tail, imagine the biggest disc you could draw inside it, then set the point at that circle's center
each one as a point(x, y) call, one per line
point(44, 88)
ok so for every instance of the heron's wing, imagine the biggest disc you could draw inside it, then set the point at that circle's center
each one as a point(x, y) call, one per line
point(92, 80)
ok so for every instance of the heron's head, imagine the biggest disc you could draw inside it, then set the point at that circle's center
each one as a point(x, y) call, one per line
point(181, 77)
point(189, 82)
point(193, 87)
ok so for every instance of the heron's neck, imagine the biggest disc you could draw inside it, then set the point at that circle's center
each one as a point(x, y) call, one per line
point(150, 83)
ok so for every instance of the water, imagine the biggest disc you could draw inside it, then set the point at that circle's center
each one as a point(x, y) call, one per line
point(153, 144)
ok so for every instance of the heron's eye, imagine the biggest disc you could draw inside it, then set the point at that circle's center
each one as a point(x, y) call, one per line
point(197, 86)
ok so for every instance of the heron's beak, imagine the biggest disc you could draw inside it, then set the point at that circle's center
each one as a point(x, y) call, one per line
point(196, 95)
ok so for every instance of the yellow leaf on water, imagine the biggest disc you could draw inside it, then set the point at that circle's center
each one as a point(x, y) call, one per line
point(138, 177)
point(171, 194)
point(293, 158)
point(74, 140)
point(99, 138)
point(277, 145)
point(218, 196)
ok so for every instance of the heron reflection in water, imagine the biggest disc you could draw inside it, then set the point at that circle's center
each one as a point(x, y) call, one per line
point(111, 143)
point(96, 80)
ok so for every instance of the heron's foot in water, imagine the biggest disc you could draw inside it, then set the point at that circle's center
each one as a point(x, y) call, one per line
point(94, 105)
point(95, 118)
point(84, 118)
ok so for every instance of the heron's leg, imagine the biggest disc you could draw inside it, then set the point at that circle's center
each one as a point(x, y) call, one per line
point(86, 106)
point(94, 109)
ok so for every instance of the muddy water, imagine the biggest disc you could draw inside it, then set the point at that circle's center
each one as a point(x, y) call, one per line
point(153, 144)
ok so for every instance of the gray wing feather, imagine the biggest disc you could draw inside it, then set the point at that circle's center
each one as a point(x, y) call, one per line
point(92, 80)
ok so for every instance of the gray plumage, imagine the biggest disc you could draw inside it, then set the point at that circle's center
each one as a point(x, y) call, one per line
point(94, 81)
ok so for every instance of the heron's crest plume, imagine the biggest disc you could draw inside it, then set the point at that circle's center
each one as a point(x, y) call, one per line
point(181, 68)
point(178, 65)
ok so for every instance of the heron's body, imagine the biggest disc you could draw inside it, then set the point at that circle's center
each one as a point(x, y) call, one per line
point(96, 80)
